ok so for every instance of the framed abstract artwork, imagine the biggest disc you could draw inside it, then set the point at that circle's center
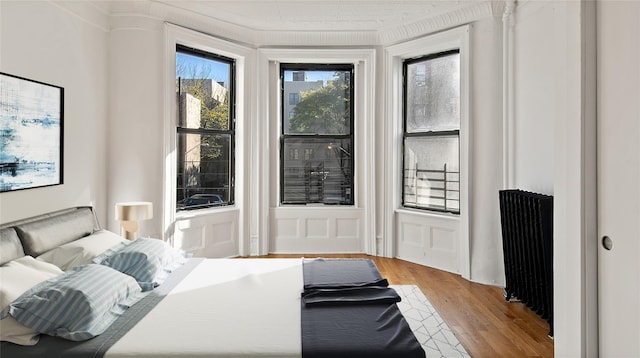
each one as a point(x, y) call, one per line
point(31, 133)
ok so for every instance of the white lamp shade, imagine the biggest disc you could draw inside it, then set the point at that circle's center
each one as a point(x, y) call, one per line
point(134, 211)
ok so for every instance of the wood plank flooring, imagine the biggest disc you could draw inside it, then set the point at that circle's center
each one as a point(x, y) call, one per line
point(479, 316)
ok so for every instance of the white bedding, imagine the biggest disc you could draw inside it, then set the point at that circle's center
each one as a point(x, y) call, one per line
point(224, 308)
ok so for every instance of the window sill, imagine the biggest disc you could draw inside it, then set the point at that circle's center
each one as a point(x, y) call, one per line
point(189, 214)
point(428, 214)
point(317, 206)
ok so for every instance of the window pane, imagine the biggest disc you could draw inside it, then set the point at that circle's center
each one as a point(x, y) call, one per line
point(319, 100)
point(431, 172)
point(317, 171)
point(433, 94)
point(203, 92)
point(204, 170)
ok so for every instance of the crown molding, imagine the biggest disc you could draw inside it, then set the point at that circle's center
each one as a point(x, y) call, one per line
point(186, 19)
point(467, 12)
point(463, 15)
point(316, 38)
point(240, 34)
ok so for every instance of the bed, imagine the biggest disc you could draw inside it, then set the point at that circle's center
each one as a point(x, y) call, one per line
point(70, 289)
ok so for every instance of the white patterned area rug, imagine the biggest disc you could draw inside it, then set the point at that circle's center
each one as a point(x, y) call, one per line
point(432, 332)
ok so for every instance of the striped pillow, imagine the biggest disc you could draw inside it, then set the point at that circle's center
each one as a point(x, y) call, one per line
point(77, 305)
point(147, 260)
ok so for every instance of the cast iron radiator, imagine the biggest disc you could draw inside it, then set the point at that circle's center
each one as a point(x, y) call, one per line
point(527, 241)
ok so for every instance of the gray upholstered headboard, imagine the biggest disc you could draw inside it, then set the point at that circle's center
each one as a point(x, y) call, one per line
point(10, 246)
point(39, 234)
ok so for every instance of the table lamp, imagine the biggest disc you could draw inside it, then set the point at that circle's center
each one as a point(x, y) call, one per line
point(129, 214)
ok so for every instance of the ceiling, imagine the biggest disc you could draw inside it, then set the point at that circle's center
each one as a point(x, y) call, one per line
point(319, 15)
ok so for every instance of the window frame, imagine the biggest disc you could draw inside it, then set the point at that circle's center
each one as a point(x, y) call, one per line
point(427, 134)
point(230, 131)
point(350, 67)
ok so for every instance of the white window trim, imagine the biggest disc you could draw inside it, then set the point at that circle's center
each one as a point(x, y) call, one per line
point(244, 57)
point(364, 171)
point(457, 38)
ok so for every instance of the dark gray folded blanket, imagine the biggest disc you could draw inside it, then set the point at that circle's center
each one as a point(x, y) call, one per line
point(341, 273)
point(349, 296)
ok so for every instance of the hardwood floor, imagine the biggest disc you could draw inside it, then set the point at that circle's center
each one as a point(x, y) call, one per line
point(479, 316)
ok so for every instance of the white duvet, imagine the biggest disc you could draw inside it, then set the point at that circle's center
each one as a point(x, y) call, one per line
point(224, 308)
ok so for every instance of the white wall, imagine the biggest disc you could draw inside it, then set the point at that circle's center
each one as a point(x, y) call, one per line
point(65, 45)
point(136, 118)
point(535, 91)
point(485, 237)
point(575, 236)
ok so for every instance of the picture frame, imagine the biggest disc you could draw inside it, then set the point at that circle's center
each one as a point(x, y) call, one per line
point(31, 133)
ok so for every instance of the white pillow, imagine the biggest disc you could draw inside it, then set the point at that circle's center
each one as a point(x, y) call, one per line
point(17, 277)
point(81, 251)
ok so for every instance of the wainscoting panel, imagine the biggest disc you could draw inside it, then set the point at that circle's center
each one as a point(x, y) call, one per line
point(347, 228)
point(306, 230)
point(191, 239)
point(428, 240)
point(442, 250)
point(317, 228)
point(288, 228)
point(211, 234)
